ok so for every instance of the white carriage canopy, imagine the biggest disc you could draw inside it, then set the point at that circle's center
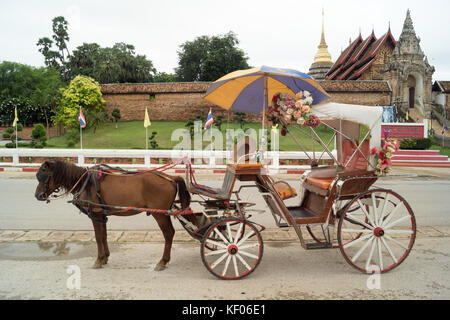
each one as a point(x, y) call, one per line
point(347, 118)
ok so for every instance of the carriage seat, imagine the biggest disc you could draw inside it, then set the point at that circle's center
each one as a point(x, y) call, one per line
point(224, 193)
point(284, 190)
point(319, 180)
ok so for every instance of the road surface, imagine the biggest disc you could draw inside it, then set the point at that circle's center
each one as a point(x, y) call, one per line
point(20, 210)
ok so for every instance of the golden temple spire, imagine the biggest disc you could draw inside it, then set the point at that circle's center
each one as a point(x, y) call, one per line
point(322, 56)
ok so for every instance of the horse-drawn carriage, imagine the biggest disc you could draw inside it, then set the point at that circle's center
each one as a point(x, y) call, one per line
point(374, 228)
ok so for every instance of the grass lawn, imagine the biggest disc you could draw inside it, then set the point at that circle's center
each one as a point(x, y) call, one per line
point(444, 151)
point(131, 135)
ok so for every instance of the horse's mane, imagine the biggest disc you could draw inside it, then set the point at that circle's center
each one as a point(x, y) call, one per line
point(66, 175)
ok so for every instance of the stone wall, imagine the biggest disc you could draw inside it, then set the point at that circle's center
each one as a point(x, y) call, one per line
point(181, 101)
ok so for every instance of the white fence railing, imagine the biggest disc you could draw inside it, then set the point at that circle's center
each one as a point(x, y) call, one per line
point(200, 159)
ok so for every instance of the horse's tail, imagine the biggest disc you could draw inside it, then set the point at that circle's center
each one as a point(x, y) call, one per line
point(183, 193)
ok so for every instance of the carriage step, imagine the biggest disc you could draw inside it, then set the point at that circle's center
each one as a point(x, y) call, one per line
point(318, 246)
point(304, 216)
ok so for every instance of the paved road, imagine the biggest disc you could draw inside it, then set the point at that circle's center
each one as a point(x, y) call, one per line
point(429, 198)
point(41, 271)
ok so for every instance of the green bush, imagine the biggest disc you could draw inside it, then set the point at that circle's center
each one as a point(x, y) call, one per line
point(70, 144)
point(6, 136)
point(416, 144)
point(10, 131)
point(39, 145)
point(13, 138)
point(10, 145)
point(73, 135)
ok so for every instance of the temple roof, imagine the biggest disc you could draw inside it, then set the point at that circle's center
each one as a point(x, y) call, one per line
point(441, 86)
point(358, 57)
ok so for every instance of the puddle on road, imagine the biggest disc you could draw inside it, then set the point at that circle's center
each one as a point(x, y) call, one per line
point(46, 251)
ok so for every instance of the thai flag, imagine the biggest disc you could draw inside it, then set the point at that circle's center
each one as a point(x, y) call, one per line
point(81, 119)
point(209, 120)
point(443, 130)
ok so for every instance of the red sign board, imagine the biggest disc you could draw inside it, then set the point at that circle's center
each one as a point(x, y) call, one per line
point(403, 131)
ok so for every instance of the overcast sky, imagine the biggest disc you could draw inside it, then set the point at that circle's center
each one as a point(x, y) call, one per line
point(278, 33)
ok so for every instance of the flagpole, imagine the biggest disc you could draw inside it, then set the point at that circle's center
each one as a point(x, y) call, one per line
point(146, 138)
point(81, 137)
point(17, 145)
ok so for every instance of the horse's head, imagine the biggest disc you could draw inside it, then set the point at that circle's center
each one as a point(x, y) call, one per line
point(46, 180)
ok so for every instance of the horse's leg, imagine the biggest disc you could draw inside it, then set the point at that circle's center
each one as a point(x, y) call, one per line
point(98, 228)
point(105, 244)
point(165, 224)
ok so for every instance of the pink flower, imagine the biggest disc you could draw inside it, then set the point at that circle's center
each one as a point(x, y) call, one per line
point(297, 114)
point(387, 144)
point(373, 151)
point(299, 95)
point(298, 104)
point(306, 109)
point(397, 145)
point(288, 117)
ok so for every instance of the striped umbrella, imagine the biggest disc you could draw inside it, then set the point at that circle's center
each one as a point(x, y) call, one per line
point(250, 90)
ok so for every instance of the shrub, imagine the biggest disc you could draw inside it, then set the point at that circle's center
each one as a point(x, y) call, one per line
point(39, 145)
point(70, 144)
point(73, 134)
point(10, 145)
point(39, 136)
point(416, 144)
point(10, 131)
point(6, 136)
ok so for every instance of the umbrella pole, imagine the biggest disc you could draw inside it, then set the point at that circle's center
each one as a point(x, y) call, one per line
point(265, 105)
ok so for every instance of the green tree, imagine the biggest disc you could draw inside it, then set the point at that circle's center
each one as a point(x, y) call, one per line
point(83, 92)
point(209, 58)
point(118, 64)
point(39, 136)
point(56, 57)
point(241, 118)
point(116, 115)
point(96, 118)
point(165, 77)
point(153, 143)
point(218, 122)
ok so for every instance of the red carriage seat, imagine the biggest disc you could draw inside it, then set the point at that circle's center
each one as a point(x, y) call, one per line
point(358, 161)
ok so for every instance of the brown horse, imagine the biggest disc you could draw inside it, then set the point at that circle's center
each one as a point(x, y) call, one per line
point(146, 190)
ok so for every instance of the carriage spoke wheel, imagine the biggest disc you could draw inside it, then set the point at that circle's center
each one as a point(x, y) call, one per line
point(377, 230)
point(238, 248)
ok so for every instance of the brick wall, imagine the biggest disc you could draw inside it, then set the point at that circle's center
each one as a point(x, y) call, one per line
point(181, 101)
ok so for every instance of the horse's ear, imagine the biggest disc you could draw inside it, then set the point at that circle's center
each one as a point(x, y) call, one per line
point(48, 164)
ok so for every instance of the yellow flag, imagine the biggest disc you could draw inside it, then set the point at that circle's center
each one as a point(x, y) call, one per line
point(15, 117)
point(147, 119)
point(407, 115)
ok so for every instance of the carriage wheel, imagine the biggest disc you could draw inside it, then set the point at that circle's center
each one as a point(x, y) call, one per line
point(238, 248)
point(377, 230)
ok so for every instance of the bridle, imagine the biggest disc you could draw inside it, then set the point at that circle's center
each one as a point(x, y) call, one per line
point(44, 178)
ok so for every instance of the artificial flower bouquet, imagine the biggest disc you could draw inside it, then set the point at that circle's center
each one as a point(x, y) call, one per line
point(286, 109)
point(384, 156)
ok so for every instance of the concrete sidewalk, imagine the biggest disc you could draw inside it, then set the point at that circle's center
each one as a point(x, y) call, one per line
point(287, 235)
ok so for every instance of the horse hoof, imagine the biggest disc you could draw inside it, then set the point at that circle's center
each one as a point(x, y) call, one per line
point(97, 266)
point(159, 267)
